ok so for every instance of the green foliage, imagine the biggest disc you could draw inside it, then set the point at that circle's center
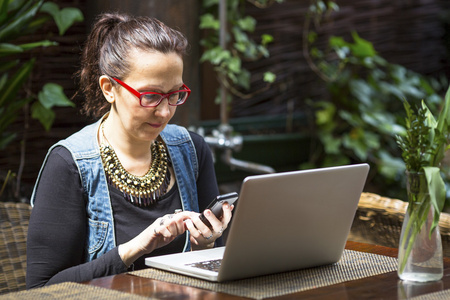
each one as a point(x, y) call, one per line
point(241, 47)
point(20, 19)
point(363, 113)
point(416, 144)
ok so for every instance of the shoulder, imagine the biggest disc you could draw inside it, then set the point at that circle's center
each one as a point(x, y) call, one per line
point(198, 140)
point(175, 134)
point(84, 140)
point(60, 155)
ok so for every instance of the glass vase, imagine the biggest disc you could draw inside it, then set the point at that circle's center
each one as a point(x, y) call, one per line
point(420, 248)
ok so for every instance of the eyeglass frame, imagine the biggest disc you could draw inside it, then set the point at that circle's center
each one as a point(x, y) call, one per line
point(164, 95)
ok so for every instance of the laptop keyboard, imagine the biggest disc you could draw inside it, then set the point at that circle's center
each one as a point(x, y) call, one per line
point(211, 265)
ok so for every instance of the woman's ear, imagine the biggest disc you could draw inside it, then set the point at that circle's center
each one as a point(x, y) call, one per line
point(107, 88)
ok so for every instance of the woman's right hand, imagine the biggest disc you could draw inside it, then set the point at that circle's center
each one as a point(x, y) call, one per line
point(160, 233)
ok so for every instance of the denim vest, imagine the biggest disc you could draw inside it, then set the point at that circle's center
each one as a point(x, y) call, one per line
point(85, 151)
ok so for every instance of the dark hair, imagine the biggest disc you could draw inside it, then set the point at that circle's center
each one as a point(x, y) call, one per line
point(108, 45)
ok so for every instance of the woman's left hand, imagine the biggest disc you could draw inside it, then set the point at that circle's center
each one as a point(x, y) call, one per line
point(201, 235)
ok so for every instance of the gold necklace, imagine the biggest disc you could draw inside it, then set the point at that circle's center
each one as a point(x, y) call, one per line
point(140, 190)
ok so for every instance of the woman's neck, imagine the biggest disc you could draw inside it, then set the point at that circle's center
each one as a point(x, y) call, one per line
point(135, 156)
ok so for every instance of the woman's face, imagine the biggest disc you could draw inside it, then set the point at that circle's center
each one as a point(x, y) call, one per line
point(150, 72)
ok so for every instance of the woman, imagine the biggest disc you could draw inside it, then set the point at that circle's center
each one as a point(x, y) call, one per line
point(105, 197)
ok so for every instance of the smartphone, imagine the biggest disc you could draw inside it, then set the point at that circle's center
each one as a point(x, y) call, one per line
point(216, 206)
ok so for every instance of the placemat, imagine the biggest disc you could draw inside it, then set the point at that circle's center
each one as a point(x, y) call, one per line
point(70, 290)
point(441, 295)
point(353, 265)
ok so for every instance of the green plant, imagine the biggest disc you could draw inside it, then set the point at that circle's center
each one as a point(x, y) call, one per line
point(364, 112)
point(423, 149)
point(19, 20)
point(227, 60)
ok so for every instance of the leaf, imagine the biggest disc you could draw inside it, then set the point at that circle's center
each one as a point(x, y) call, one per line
point(361, 142)
point(44, 43)
point(266, 39)
point(337, 41)
point(436, 189)
point(326, 114)
point(362, 91)
point(332, 145)
point(9, 113)
point(44, 115)
point(8, 49)
point(361, 47)
point(216, 55)
point(52, 95)
point(209, 3)
point(5, 66)
point(247, 24)
point(3, 10)
point(65, 17)
point(16, 82)
point(234, 64)
point(3, 80)
point(243, 79)
point(19, 22)
point(269, 77)
point(444, 116)
point(390, 166)
point(207, 21)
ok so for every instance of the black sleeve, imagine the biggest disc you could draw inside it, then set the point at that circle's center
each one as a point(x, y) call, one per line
point(57, 229)
point(207, 188)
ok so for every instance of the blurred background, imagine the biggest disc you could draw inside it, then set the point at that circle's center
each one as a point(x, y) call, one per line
point(277, 85)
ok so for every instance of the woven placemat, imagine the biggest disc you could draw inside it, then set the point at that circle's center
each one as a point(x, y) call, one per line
point(441, 295)
point(353, 265)
point(70, 290)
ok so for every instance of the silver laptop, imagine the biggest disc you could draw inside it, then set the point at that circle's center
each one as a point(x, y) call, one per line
point(282, 222)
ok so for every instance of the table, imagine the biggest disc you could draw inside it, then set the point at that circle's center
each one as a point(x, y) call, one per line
point(384, 286)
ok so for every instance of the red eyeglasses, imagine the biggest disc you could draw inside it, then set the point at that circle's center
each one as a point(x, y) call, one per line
point(153, 99)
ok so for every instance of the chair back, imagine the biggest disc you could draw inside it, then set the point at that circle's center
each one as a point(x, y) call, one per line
point(379, 220)
point(14, 219)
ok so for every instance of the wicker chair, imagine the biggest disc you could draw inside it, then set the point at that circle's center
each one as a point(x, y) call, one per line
point(379, 220)
point(14, 218)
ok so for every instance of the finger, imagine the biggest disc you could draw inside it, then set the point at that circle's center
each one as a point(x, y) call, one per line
point(227, 214)
point(194, 232)
point(213, 220)
point(155, 231)
point(201, 231)
point(176, 227)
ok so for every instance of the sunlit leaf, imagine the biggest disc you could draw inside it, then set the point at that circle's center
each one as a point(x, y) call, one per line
point(248, 24)
point(207, 21)
point(65, 17)
point(269, 77)
point(53, 95)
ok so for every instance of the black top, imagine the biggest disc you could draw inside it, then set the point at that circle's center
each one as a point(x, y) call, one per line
point(57, 230)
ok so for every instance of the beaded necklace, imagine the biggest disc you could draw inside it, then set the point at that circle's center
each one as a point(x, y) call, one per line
point(139, 190)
